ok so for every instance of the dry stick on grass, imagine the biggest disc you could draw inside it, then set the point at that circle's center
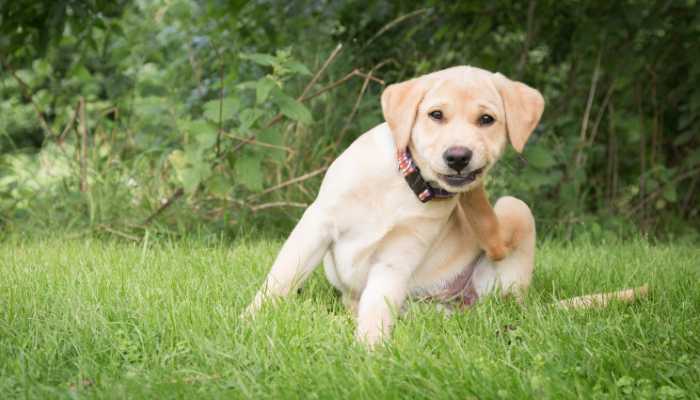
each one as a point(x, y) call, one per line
point(602, 300)
point(221, 95)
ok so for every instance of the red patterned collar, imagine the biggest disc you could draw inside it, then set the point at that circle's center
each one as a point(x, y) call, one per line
point(420, 187)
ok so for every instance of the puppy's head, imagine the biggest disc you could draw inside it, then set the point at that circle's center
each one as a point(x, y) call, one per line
point(458, 122)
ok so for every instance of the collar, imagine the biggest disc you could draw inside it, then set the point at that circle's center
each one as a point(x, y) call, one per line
point(420, 187)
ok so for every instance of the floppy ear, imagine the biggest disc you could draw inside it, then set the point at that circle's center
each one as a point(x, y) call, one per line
point(523, 106)
point(400, 104)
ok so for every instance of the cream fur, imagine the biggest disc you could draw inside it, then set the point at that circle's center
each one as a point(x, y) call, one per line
point(379, 243)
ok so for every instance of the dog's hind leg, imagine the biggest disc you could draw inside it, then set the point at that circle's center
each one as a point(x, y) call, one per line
point(506, 232)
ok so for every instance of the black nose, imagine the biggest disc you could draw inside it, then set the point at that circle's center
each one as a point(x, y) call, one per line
point(457, 158)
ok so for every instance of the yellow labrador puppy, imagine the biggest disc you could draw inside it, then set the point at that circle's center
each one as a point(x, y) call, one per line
point(403, 212)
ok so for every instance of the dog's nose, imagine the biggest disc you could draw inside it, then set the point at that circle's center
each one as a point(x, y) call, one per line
point(457, 158)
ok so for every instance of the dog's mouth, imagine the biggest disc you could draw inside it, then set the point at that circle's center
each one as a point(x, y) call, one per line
point(458, 180)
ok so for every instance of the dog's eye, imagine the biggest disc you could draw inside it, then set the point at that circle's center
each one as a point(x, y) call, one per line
point(486, 120)
point(436, 115)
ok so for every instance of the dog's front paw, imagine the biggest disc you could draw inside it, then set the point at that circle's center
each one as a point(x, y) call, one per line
point(249, 313)
point(369, 337)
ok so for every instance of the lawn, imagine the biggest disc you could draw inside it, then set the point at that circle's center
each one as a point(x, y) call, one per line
point(106, 319)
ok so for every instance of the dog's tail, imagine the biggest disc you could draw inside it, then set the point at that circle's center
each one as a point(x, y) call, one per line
point(602, 300)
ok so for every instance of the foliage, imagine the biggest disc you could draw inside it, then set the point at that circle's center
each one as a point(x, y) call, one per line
point(96, 319)
point(620, 129)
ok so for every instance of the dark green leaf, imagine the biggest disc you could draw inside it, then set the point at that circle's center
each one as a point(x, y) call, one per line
point(262, 59)
point(194, 176)
point(248, 170)
point(290, 107)
point(218, 185)
point(230, 108)
point(540, 157)
point(249, 116)
point(265, 85)
point(670, 194)
point(297, 67)
point(273, 136)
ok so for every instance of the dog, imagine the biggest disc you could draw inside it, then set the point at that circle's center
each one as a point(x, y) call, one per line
point(403, 211)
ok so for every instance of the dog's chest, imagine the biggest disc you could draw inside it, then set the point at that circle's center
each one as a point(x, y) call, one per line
point(373, 233)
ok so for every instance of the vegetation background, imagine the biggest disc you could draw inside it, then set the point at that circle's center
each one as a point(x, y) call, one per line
point(118, 117)
point(132, 121)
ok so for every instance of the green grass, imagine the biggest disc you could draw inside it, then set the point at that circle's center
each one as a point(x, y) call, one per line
point(96, 319)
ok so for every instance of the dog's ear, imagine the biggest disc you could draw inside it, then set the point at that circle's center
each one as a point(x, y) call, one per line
point(400, 104)
point(523, 106)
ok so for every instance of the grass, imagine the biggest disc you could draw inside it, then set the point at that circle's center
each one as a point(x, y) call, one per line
point(96, 319)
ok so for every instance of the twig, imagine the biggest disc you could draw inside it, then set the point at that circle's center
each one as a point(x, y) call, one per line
point(221, 95)
point(36, 106)
point(347, 123)
point(354, 110)
point(591, 93)
point(394, 22)
point(170, 201)
point(332, 86)
point(72, 120)
point(346, 78)
point(257, 143)
point(528, 35)
point(320, 71)
point(601, 111)
point(84, 153)
point(287, 183)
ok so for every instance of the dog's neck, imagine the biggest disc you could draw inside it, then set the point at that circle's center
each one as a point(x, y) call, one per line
point(409, 167)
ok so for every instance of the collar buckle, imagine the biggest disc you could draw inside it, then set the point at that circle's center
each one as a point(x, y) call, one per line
point(420, 187)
